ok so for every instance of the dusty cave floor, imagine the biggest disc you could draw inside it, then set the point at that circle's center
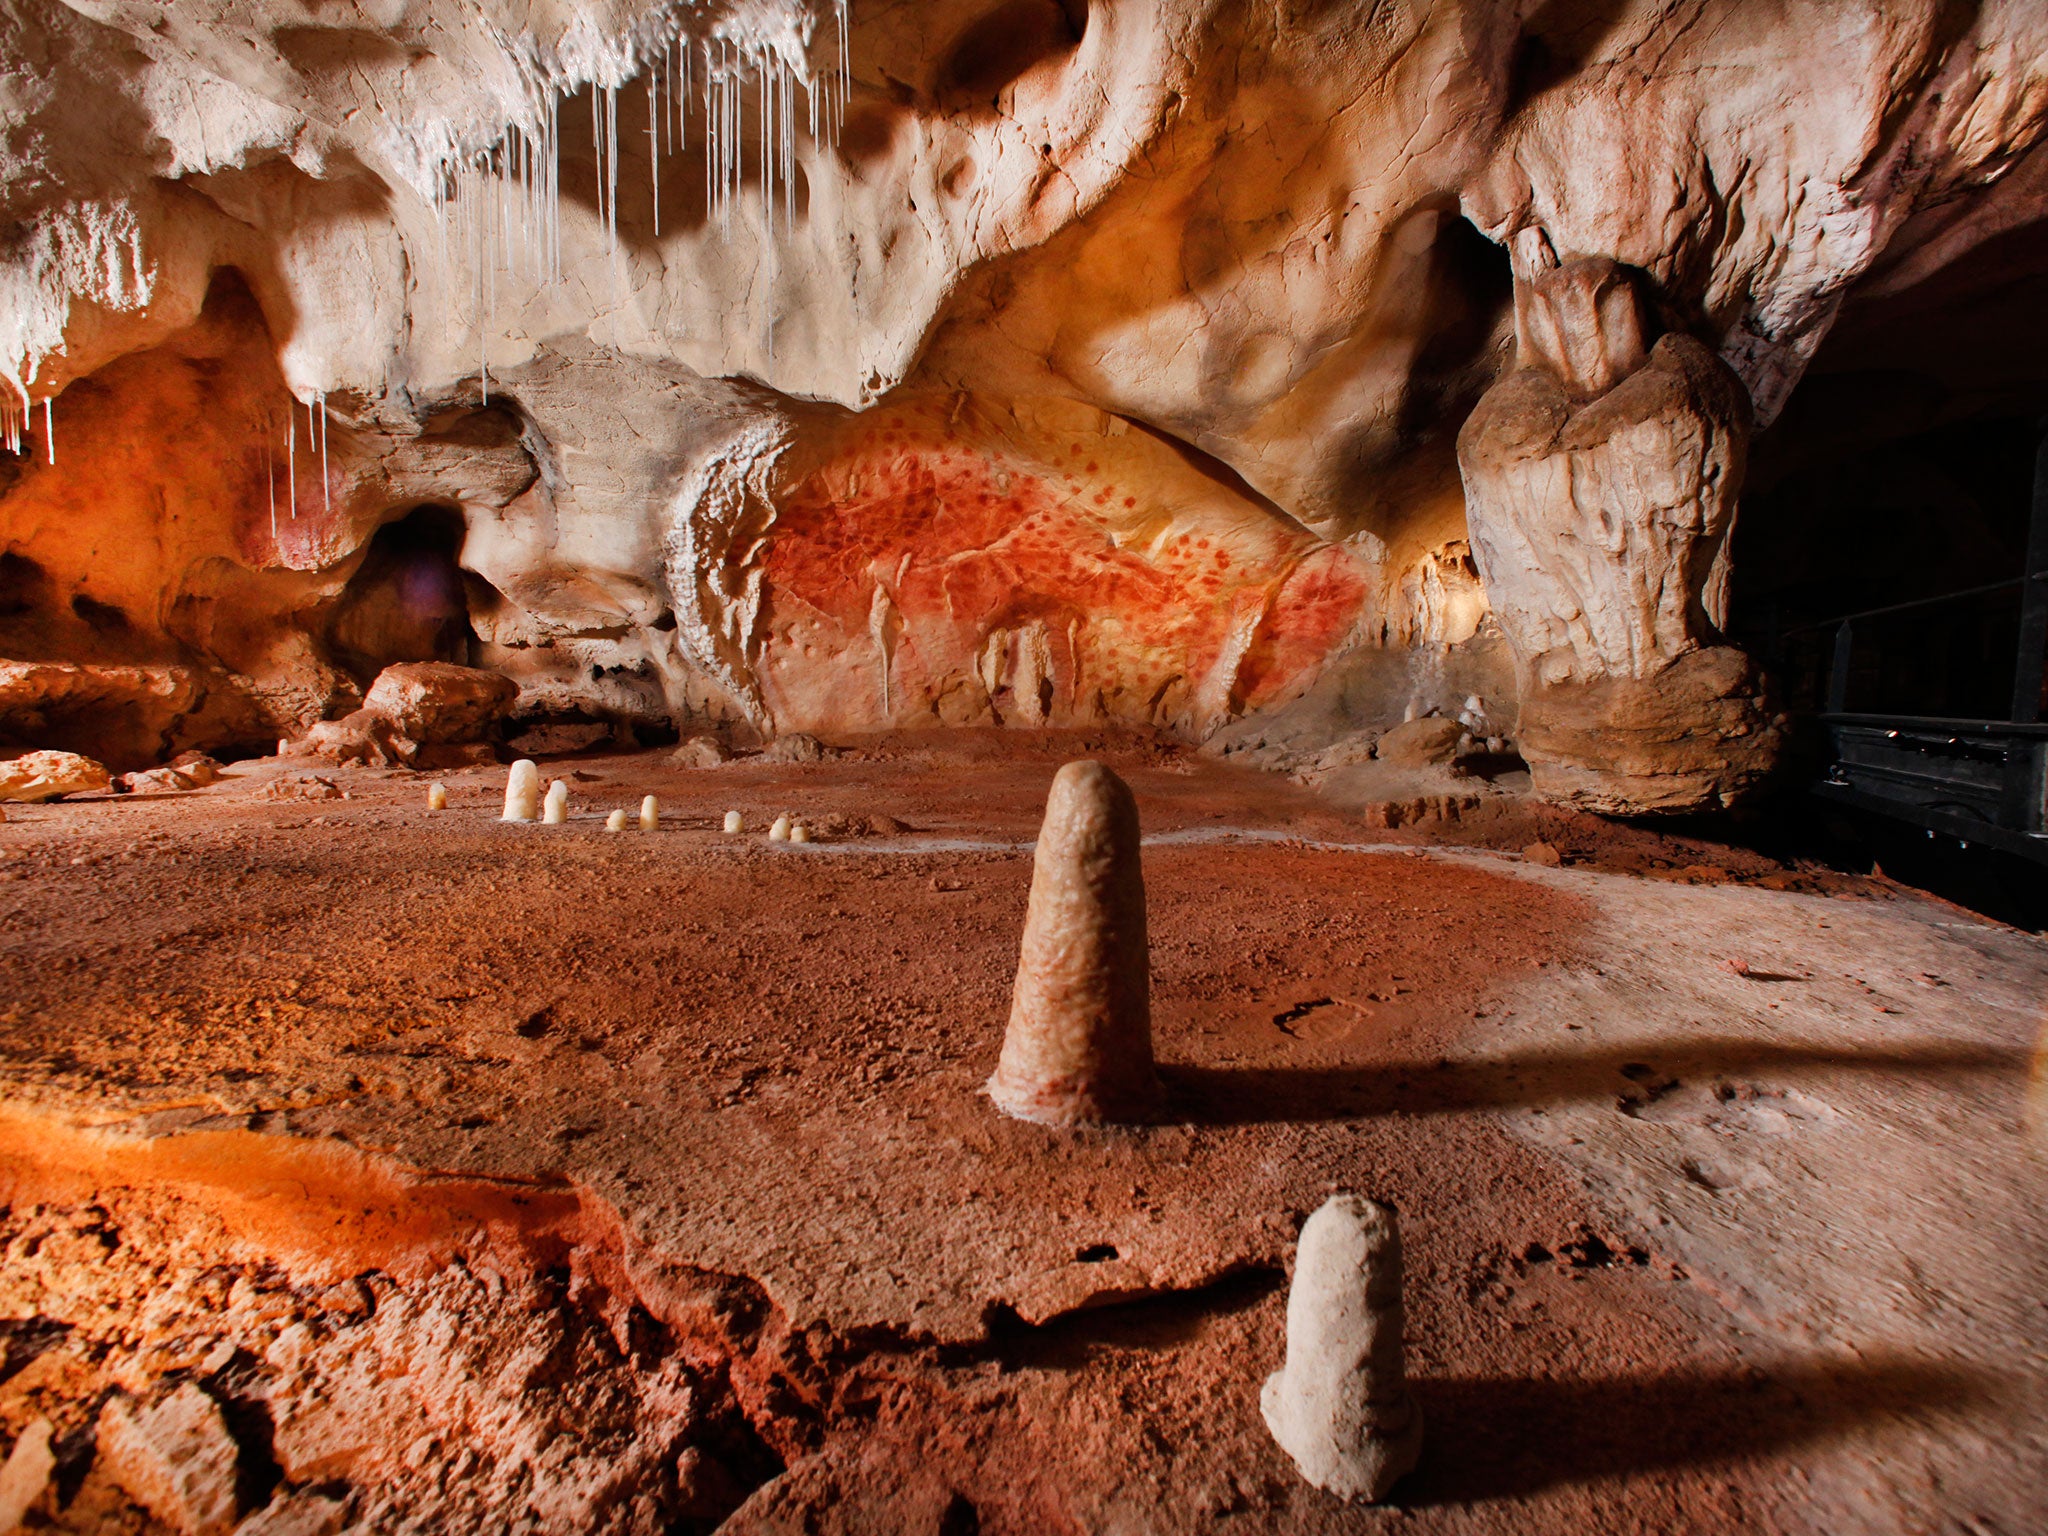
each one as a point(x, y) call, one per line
point(501, 1177)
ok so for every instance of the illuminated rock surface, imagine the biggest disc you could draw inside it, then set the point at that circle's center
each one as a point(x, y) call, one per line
point(1093, 362)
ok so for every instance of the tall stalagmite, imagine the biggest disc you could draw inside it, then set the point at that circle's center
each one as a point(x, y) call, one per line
point(1079, 1046)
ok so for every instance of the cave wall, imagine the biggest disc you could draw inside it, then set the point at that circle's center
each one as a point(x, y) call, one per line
point(1101, 360)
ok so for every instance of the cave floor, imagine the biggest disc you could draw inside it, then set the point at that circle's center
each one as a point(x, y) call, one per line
point(541, 1178)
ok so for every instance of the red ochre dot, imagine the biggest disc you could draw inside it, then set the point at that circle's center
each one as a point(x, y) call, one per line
point(1093, 466)
point(1130, 501)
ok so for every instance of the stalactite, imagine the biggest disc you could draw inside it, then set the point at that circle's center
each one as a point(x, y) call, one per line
point(502, 207)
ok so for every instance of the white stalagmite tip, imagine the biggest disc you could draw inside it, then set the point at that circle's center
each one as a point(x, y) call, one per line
point(616, 822)
point(779, 833)
point(650, 813)
point(735, 822)
point(1079, 1046)
point(556, 810)
point(799, 833)
point(437, 796)
point(522, 791)
point(1340, 1404)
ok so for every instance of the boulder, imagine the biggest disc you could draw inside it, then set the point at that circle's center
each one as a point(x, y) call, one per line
point(188, 770)
point(197, 767)
point(365, 737)
point(1423, 743)
point(699, 752)
point(38, 776)
point(797, 747)
point(436, 702)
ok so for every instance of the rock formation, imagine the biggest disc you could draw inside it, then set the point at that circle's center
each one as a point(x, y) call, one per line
point(522, 791)
point(1088, 360)
point(175, 1458)
point(1079, 1044)
point(1600, 484)
point(1340, 1406)
point(50, 776)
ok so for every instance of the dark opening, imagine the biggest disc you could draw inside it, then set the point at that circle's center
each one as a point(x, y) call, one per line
point(1005, 45)
point(1902, 472)
point(406, 601)
point(1557, 41)
point(24, 585)
point(104, 617)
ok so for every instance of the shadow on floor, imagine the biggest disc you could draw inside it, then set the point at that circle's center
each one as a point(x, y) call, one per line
point(1490, 1438)
point(1160, 1322)
point(1257, 1095)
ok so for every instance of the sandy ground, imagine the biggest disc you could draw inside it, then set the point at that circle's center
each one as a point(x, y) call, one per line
point(1720, 1182)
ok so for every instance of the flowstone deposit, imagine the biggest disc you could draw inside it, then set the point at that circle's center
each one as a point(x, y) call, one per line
point(1079, 1044)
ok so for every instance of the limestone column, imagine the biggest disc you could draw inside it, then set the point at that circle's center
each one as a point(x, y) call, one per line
point(1601, 479)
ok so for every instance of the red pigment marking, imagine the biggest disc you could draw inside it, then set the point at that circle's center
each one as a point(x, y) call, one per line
point(991, 545)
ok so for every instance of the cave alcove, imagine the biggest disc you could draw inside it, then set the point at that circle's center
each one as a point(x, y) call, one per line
point(408, 600)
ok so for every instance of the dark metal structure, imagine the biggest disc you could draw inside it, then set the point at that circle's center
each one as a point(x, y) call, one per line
point(1980, 780)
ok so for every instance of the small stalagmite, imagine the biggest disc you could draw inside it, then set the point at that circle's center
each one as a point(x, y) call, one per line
point(437, 797)
point(616, 822)
point(1079, 1045)
point(650, 813)
point(522, 791)
point(779, 832)
point(799, 833)
point(735, 822)
point(1340, 1404)
point(556, 811)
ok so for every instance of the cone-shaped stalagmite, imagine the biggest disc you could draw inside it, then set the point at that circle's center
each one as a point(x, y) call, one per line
point(1340, 1405)
point(1079, 1046)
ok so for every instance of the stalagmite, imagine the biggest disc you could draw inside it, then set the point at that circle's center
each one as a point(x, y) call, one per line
point(616, 822)
point(779, 832)
point(1340, 1404)
point(650, 813)
point(735, 822)
point(799, 833)
point(1079, 1045)
point(522, 791)
point(437, 797)
point(556, 809)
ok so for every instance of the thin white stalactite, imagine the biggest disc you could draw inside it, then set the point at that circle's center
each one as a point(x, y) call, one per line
point(270, 482)
point(654, 142)
point(597, 146)
point(291, 457)
point(326, 495)
point(611, 151)
point(50, 427)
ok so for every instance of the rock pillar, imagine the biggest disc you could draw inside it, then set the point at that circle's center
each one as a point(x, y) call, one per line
point(1079, 1045)
point(1601, 479)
